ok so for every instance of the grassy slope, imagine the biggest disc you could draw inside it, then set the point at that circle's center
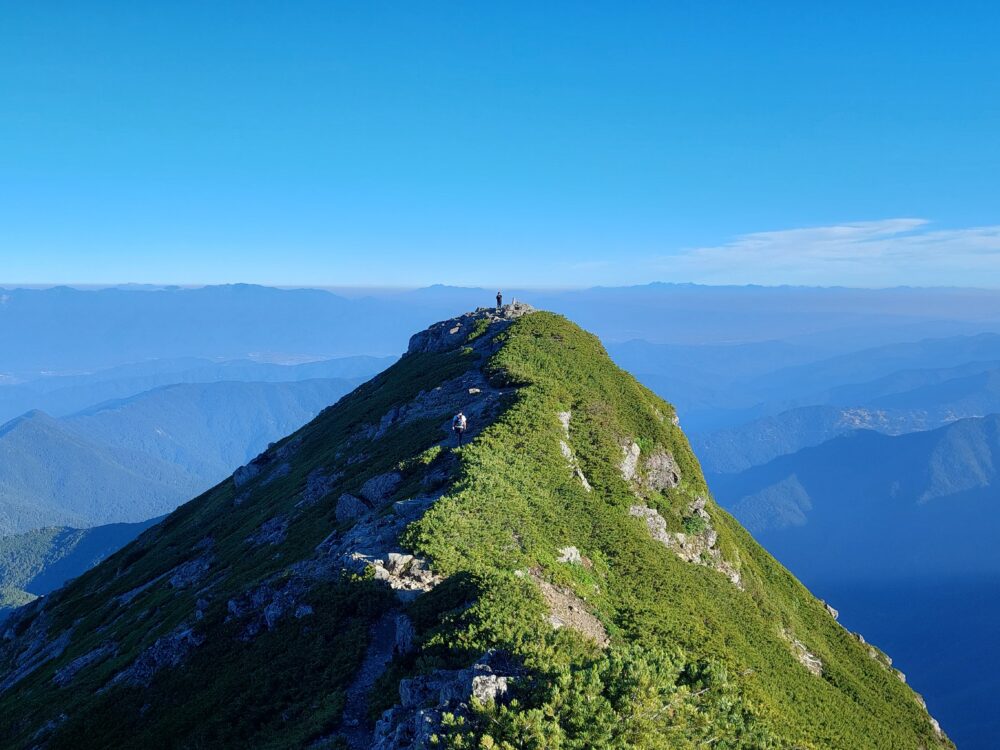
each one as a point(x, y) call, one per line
point(517, 503)
point(513, 504)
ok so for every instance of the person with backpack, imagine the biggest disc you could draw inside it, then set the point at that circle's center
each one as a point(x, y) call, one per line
point(459, 425)
point(499, 301)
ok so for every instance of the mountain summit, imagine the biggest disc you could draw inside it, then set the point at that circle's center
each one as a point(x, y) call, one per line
point(561, 580)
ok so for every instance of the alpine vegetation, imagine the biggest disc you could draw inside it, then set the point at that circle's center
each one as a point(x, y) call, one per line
point(554, 574)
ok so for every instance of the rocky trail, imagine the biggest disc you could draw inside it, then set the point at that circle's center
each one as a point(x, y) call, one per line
point(356, 728)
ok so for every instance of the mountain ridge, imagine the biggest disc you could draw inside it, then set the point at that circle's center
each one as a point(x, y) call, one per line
point(561, 579)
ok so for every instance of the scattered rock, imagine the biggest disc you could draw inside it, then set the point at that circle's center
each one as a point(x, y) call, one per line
point(405, 636)
point(38, 649)
point(124, 599)
point(246, 473)
point(273, 531)
point(281, 470)
point(833, 613)
point(303, 610)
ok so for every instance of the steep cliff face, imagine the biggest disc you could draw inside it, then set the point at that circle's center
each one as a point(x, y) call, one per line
point(562, 579)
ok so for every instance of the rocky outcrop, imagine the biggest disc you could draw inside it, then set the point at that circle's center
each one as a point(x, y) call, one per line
point(166, 652)
point(373, 542)
point(272, 532)
point(805, 657)
point(630, 460)
point(273, 461)
point(574, 465)
point(189, 573)
point(265, 605)
point(319, 484)
point(697, 547)
point(350, 508)
point(34, 648)
point(65, 675)
point(449, 334)
point(424, 700)
point(661, 471)
point(570, 555)
point(379, 489)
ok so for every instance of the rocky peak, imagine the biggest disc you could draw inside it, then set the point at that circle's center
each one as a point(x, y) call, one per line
point(448, 334)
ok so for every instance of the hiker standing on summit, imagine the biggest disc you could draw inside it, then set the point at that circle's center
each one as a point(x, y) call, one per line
point(458, 425)
point(499, 301)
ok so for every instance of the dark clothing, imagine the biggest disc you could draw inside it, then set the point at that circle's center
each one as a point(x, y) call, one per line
point(499, 300)
point(458, 425)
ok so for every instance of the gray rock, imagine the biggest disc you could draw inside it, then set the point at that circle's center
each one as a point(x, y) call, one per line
point(350, 507)
point(570, 555)
point(630, 460)
point(303, 610)
point(66, 674)
point(273, 531)
point(379, 488)
point(450, 334)
point(662, 471)
point(166, 652)
point(405, 636)
point(318, 486)
point(279, 471)
point(246, 473)
point(38, 649)
point(189, 573)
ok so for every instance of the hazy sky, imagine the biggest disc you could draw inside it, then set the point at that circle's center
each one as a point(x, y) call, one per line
point(530, 143)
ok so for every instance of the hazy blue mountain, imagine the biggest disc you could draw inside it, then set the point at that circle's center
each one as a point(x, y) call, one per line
point(68, 330)
point(808, 383)
point(65, 394)
point(873, 505)
point(53, 475)
point(899, 533)
point(136, 458)
point(893, 411)
point(37, 562)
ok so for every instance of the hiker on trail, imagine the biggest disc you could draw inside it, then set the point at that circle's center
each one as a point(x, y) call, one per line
point(458, 425)
point(499, 301)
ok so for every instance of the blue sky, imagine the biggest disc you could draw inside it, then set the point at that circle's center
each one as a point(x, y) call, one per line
point(544, 144)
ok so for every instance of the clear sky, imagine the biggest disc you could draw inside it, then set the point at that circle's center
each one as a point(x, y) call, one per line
point(531, 143)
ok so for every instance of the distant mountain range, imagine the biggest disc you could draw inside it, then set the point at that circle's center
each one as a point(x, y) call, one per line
point(37, 562)
point(870, 505)
point(903, 402)
point(66, 394)
point(136, 458)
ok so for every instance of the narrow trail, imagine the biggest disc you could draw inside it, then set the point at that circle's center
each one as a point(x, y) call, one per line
point(355, 726)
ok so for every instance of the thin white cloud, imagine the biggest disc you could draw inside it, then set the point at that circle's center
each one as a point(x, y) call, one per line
point(891, 252)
